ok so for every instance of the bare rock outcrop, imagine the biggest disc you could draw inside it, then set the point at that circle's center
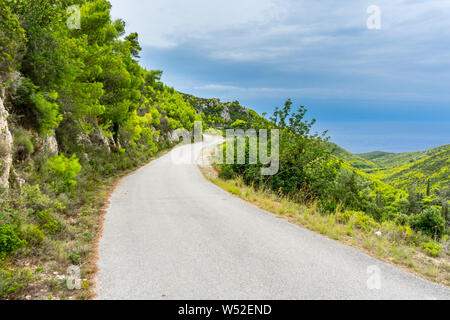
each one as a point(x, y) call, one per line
point(98, 138)
point(6, 146)
point(226, 113)
point(50, 144)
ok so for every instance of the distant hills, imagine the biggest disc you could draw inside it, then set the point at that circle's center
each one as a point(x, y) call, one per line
point(420, 170)
point(432, 171)
point(220, 114)
point(354, 159)
point(386, 159)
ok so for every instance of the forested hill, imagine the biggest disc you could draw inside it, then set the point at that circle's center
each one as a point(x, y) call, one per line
point(428, 175)
point(353, 159)
point(219, 114)
point(425, 172)
point(388, 159)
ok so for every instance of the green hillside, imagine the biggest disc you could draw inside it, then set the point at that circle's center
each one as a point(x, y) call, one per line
point(433, 171)
point(219, 114)
point(424, 173)
point(354, 159)
point(386, 159)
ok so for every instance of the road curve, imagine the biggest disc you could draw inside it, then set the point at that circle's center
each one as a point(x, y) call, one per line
point(170, 234)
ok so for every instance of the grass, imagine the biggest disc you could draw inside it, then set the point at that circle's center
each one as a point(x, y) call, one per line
point(389, 247)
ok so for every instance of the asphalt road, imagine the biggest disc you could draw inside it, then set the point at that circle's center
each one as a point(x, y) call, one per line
point(170, 234)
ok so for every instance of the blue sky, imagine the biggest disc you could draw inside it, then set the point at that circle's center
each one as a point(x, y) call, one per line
point(386, 89)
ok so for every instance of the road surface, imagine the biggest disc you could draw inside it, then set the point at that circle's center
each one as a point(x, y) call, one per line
point(171, 234)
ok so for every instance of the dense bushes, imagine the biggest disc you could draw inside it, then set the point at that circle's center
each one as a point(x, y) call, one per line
point(305, 162)
point(310, 173)
point(358, 219)
point(430, 222)
point(64, 170)
point(23, 144)
point(9, 240)
point(432, 248)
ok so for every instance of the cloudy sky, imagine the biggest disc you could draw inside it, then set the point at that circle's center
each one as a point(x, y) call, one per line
point(386, 89)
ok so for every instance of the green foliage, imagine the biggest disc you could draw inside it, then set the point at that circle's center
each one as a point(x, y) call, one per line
point(179, 113)
point(9, 240)
point(358, 219)
point(432, 172)
point(432, 248)
point(48, 223)
point(65, 170)
point(31, 197)
point(32, 234)
point(12, 39)
point(212, 112)
point(306, 163)
point(429, 222)
point(49, 115)
point(239, 124)
point(75, 258)
point(226, 172)
point(388, 160)
point(11, 280)
point(23, 143)
point(355, 160)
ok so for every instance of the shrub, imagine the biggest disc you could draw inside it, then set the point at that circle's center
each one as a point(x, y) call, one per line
point(32, 197)
point(11, 281)
point(429, 222)
point(226, 172)
point(49, 115)
point(402, 219)
point(64, 169)
point(23, 144)
point(48, 222)
point(9, 241)
point(31, 234)
point(75, 258)
point(343, 217)
point(358, 219)
point(365, 222)
point(432, 248)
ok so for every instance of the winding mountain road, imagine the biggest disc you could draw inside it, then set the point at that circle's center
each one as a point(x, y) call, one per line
point(171, 234)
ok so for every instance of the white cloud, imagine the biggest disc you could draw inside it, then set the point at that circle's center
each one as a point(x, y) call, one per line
point(166, 23)
point(269, 30)
point(298, 38)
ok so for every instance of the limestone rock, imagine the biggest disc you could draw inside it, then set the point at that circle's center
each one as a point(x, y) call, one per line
point(50, 144)
point(99, 139)
point(6, 143)
point(83, 139)
point(226, 113)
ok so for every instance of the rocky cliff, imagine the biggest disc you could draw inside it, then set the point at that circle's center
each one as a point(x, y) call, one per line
point(6, 145)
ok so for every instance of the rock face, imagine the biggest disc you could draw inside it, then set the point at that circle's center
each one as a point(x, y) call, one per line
point(50, 144)
point(99, 139)
point(226, 113)
point(6, 144)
